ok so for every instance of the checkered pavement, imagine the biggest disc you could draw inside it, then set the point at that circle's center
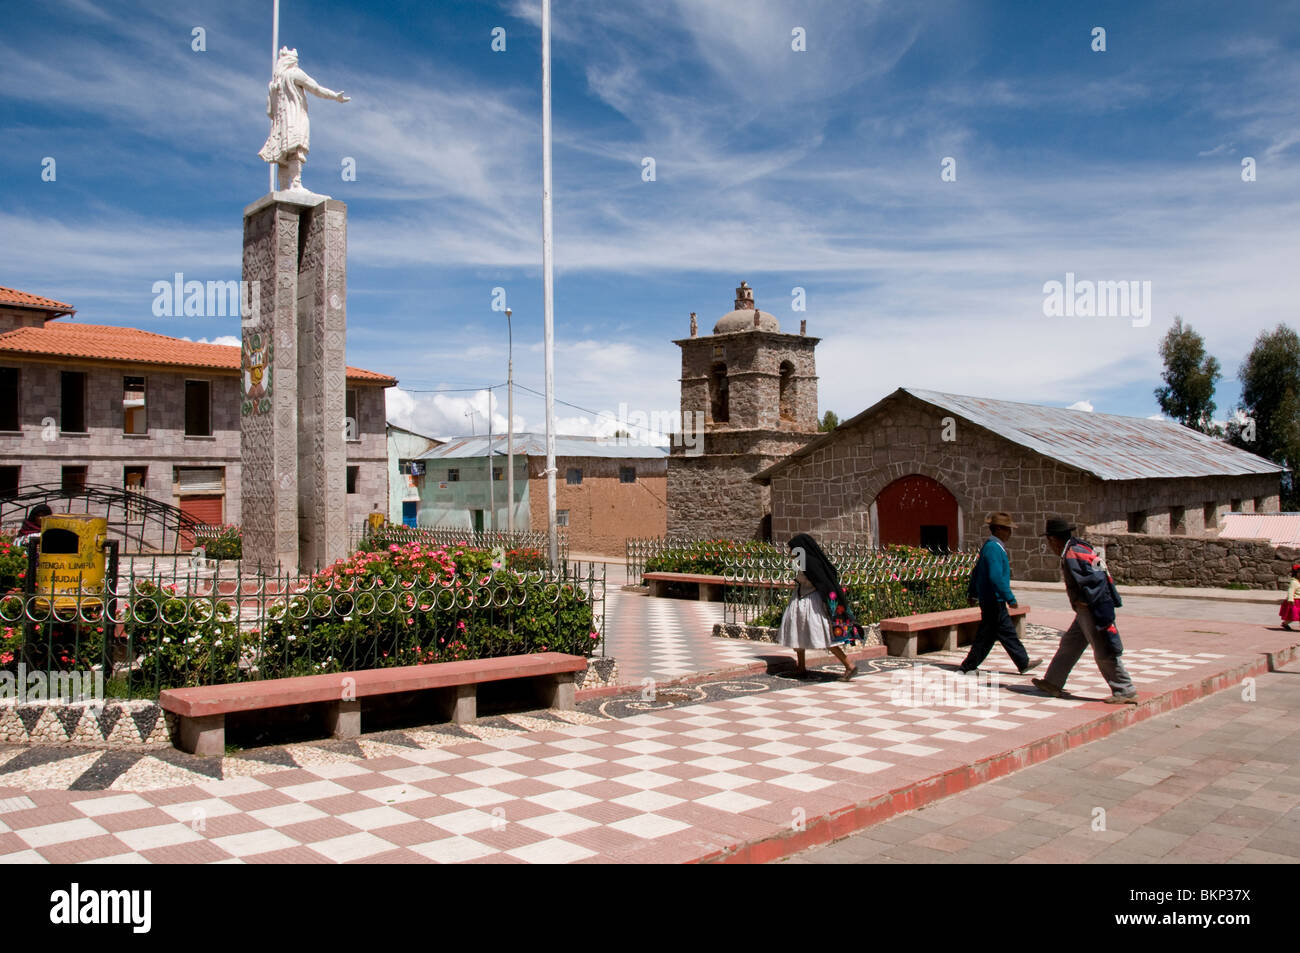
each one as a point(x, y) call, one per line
point(670, 785)
point(666, 639)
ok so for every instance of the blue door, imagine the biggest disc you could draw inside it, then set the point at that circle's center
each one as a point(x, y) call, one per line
point(409, 508)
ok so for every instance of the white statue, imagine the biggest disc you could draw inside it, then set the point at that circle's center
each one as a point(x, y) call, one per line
point(286, 104)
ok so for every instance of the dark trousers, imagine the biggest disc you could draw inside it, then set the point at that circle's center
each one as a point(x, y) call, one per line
point(995, 626)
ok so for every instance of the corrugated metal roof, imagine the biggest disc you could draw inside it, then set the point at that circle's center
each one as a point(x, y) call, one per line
point(1107, 445)
point(534, 445)
point(1280, 529)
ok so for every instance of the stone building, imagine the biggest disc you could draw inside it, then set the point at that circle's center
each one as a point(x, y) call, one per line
point(748, 400)
point(924, 468)
point(83, 403)
point(605, 492)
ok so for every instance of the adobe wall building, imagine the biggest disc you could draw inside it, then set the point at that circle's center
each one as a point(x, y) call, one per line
point(754, 389)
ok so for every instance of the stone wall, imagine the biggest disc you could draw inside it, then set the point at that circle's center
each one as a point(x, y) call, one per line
point(1146, 560)
point(830, 492)
point(716, 496)
point(753, 360)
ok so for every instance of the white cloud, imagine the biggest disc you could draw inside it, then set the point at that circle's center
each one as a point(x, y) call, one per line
point(1081, 405)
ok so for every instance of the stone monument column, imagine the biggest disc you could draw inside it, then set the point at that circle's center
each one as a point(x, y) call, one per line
point(294, 463)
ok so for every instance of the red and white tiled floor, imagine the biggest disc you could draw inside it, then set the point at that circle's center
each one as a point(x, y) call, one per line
point(675, 784)
point(665, 639)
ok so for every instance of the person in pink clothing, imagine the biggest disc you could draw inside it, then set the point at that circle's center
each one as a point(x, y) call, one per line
point(1290, 611)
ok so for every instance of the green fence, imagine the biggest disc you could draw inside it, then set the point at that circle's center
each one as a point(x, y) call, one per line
point(882, 584)
point(406, 605)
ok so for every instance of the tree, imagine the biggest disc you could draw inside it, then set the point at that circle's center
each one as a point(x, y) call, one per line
point(1270, 404)
point(1190, 375)
point(829, 422)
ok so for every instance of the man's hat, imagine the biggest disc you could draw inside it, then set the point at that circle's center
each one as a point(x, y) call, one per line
point(1059, 527)
point(1000, 518)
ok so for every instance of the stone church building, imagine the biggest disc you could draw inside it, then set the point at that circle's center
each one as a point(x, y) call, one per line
point(922, 467)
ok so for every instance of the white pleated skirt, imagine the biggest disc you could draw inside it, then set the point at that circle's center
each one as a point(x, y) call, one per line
point(806, 624)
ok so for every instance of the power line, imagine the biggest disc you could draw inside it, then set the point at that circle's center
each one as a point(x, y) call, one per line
point(596, 413)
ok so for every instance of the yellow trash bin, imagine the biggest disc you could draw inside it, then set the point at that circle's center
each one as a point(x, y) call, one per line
point(376, 521)
point(71, 556)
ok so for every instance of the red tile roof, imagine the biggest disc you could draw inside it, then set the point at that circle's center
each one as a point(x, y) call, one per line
point(21, 299)
point(130, 345)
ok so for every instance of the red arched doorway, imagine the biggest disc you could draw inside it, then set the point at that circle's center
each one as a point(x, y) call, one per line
point(917, 511)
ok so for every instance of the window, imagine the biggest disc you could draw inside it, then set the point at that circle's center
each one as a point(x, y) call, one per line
point(74, 479)
point(351, 430)
point(72, 402)
point(9, 398)
point(9, 481)
point(353, 473)
point(133, 411)
point(134, 481)
point(1236, 506)
point(498, 473)
point(1259, 503)
point(574, 476)
point(453, 476)
point(561, 517)
point(627, 474)
point(1178, 520)
point(1211, 515)
point(1137, 521)
point(198, 408)
point(719, 407)
point(787, 391)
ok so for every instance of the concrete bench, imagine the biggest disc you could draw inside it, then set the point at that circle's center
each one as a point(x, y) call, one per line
point(909, 635)
point(710, 586)
point(201, 712)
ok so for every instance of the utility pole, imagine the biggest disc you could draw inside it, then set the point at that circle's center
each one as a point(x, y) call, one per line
point(275, 56)
point(510, 429)
point(548, 287)
point(492, 483)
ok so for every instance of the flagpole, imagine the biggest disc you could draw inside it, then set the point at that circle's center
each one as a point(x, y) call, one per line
point(548, 287)
point(275, 55)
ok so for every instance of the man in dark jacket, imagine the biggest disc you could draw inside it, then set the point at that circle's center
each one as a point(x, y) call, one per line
point(1092, 594)
point(990, 586)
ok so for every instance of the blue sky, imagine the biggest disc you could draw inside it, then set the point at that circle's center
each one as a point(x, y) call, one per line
point(817, 169)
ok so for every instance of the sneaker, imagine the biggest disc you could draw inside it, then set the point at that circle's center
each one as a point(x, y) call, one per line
point(1122, 699)
point(1032, 664)
point(1043, 685)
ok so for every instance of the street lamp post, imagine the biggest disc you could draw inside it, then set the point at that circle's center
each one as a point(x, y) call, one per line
point(492, 486)
point(510, 430)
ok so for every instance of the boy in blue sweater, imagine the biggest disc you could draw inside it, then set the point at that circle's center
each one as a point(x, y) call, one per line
point(990, 587)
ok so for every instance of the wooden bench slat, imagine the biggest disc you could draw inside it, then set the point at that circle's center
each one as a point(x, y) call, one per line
point(934, 620)
point(306, 689)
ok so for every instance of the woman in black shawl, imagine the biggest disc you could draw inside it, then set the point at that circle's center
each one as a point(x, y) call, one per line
point(818, 616)
point(32, 524)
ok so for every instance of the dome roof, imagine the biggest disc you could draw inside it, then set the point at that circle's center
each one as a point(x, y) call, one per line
point(742, 319)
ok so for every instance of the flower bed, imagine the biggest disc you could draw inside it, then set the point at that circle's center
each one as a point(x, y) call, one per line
point(402, 605)
point(706, 557)
point(225, 542)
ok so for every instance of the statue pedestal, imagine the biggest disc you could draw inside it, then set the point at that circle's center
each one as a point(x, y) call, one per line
point(294, 379)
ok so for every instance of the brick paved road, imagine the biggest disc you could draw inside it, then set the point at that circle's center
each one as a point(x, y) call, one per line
point(1215, 782)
